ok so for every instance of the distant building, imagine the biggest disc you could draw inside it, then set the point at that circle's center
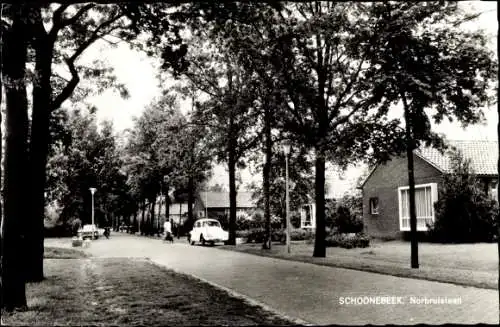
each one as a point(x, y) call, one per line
point(216, 204)
point(177, 212)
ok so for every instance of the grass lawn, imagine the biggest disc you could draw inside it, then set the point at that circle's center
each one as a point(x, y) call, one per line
point(62, 253)
point(462, 264)
point(117, 291)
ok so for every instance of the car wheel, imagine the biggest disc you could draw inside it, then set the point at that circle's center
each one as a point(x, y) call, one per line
point(192, 242)
point(202, 240)
point(212, 243)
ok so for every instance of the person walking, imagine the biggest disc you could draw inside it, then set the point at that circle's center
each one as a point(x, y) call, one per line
point(167, 228)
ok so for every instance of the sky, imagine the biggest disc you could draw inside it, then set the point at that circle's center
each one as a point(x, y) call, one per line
point(137, 71)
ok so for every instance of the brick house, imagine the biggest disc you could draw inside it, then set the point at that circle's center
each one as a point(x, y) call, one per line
point(385, 190)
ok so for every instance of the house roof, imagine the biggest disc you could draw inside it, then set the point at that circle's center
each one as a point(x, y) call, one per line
point(482, 154)
point(221, 199)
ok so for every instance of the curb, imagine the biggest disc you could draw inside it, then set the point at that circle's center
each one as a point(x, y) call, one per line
point(232, 293)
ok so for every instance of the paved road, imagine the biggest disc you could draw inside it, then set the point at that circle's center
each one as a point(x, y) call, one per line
point(310, 292)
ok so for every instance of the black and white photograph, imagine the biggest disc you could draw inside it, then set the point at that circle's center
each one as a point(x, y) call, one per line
point(249, 163)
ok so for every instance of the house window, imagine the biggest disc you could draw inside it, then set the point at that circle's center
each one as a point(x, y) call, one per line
point(425, 196)
point(307, 214)
point(494, 191)
point(374, 206)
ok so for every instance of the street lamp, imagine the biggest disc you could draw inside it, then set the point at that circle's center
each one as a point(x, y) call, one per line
point(92, 191)
point(286, 151)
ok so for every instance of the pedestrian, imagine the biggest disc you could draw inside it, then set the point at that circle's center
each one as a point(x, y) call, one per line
point(107, 231)
point(167, 227)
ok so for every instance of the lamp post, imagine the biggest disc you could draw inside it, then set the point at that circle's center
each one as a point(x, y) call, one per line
point(159, 212)
point(206, 204)
point(92, 191)
point(286, 151)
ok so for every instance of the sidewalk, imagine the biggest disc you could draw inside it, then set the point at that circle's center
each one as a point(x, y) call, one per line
point(313, 293)
point(471, 271)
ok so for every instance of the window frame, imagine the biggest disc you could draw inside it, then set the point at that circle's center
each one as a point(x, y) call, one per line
point(312, 216)
point(373, 210)
point(434, 197)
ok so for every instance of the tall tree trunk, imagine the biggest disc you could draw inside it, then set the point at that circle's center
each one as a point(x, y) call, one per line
point(39, 147)
point(153, 216)
point(498, 179)
point(13, 293)
point(141, 225)
point(158, 225)
point(1, 132)
point(167, 202)
point(232, 192)
point(134, 227)
point(191, 188)
point(319, 195)
point(191, 191)
point(411, 183)
point(266, 178)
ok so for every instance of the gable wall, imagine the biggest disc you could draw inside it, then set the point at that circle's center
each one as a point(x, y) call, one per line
point(383, 183)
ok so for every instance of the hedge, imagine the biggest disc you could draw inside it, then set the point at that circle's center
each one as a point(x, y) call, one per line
point(348, 242)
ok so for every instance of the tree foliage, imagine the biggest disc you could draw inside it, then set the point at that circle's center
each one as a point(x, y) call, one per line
point(464, 212)
point(300, 178)
point(91, 159)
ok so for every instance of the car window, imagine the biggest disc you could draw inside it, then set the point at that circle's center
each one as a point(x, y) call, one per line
point(213, 223)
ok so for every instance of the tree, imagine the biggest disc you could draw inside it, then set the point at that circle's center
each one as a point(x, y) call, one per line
point(89, 159)
point(430, 63)
point(498, 166)
point(182, 147)
point(74, 29)
point(464, 212)
point(228, 111)
point(14, 48)
point(165, 145)
point(314, 52)
point(300, 176)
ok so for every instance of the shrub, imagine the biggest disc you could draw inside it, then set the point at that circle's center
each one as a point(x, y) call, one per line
point(59, 230)
point(243, 233)
point(345, 215)
point(301, 234)
point(76, 224)
point(346, 222)
point(256, 221)
point(295, 219)
point(257, 235)
point(464, 213)
point(348, 242)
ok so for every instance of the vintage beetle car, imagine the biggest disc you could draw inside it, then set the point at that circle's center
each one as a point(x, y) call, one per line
point(207, 231)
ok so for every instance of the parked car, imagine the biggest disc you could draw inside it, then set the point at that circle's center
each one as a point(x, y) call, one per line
point(89, 231)
point(207, 231)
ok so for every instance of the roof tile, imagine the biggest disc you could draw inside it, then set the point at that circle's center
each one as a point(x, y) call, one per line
point(483, 156)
